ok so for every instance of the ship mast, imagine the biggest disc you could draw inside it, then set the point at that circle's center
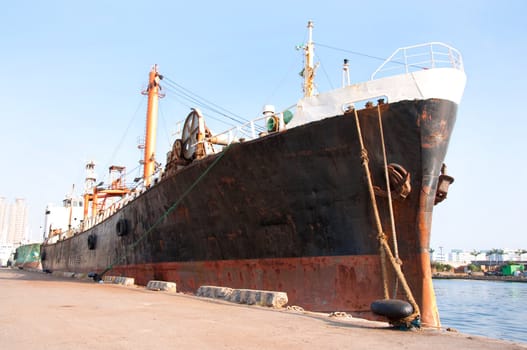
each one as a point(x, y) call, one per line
point(309, 68)
point(71, 207)
point(151, 125)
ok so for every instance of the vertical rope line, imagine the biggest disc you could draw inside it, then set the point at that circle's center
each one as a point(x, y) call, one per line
point(365, 161)
point(383, 244)
point(405, 285)
point(389, 193)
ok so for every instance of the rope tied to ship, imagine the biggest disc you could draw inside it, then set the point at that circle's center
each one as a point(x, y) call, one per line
point(364, 156)
point(164, 215)
point(387, 174)
point(384, 247)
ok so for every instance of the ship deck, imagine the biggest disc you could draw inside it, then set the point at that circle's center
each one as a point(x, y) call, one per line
point(59, 313)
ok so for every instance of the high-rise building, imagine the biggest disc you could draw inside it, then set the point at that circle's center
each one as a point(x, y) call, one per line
point(4, 222)
point(13, 221)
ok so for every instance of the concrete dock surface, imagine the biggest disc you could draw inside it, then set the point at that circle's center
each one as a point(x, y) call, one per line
point(41, 311)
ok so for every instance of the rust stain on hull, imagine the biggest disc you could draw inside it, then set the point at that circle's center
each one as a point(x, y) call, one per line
point(336, 283)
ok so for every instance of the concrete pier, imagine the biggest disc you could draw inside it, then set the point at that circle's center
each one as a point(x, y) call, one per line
point(43, 311)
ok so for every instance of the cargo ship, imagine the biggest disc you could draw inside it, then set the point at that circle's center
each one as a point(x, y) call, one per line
point(27, 256)
point(330, 200)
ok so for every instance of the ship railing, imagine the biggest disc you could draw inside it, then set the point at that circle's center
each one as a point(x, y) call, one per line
point(247, 131)
point(420, 57)
point(250, 130)
point(111, 210)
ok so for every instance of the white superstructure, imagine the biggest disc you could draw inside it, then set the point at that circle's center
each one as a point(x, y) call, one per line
point(5, 253)
point(435, 70)
point(59, 219)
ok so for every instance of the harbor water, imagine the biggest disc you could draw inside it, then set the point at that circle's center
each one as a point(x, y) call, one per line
point(492, 309)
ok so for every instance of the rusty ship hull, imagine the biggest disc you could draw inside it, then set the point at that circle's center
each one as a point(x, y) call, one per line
point(289, 211)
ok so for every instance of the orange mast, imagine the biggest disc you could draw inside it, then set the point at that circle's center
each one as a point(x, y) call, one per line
point(151, 124)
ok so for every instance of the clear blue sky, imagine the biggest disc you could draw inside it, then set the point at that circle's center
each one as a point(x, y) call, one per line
point(71, 75)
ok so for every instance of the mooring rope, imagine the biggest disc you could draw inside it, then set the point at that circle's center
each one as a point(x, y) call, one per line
point(384, 247)
point(389, 194)
point(365, 162)
point(165, 214)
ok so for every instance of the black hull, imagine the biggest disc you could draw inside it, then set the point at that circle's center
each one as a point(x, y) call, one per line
point(291, 205)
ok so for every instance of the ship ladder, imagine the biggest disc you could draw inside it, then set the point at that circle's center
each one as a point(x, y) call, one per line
point(384, 248)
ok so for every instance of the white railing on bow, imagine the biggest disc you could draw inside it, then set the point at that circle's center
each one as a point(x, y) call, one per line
point(420, 57)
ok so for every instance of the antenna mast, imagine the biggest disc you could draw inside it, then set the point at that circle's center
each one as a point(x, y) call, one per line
point(345, 73)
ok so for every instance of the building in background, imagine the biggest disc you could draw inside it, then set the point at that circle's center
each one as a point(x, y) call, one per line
point(13, 222)
point(18, 215)
point(4, 220)
point(459, 257)
point(491, 257)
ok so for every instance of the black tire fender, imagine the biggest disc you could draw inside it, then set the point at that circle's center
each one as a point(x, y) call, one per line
point(393, 309)
point(121, 228)
point(92, 241)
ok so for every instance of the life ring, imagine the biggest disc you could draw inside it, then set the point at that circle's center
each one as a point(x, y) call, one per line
point(121, 227)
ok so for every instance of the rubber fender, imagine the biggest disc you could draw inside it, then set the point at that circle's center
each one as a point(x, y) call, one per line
point(121, 228)
point(393, 309)
point(43, 255)
point(92, 241)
